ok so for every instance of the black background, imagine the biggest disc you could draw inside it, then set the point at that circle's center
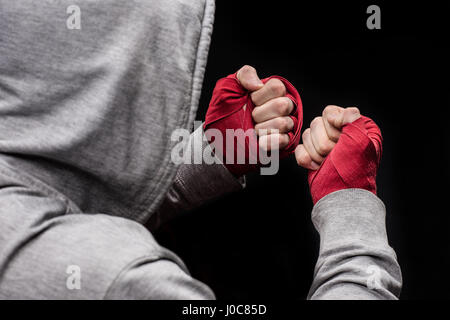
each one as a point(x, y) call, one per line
point(260, 243)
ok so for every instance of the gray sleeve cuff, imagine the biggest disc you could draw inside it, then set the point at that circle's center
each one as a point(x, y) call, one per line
point(197, 181)
point(350, 214)
point(200, 181)
point(209, 170)
point(355, 259)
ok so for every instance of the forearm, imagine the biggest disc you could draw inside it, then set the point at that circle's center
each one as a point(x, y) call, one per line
point(196, 182)
point(355, 260)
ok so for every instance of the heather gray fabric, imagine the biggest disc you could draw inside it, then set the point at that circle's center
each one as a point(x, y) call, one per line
point(194, 185)
point(90, 112)
point(85, 123)
point(43, 233)
point(355, 260)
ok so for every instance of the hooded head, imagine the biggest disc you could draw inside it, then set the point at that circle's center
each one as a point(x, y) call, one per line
point(90, 94)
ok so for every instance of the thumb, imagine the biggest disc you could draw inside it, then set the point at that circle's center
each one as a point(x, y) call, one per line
point(342, 117)
point(249, 79)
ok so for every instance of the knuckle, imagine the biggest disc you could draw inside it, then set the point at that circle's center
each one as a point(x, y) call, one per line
point(316, 121)
point(286, 124)
point(354, 109)
point(284, 140)
point(302, 157)
point(282, 124)
point(277, 87)
point(247, 68)
point(328, 109)
point(306, 134)
point(289, 123)
point(276, 124)
point(334, 136)
point(283, 106)
point(322, 148)
point(326, 146)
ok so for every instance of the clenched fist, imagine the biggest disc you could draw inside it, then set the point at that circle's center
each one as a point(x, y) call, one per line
point(321, 137)
point(342, 150)
point(269, 111)
point(272, 108)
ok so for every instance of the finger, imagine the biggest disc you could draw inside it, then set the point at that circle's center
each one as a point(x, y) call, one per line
point(319, 137)
point(276, 141)
point(343, 117)
point(303, 158)
point(249, 79)
point(276, 125)
point(307, 142)
point(273, 88)
point(274, 108)
point(332, 132)
point(350, 114)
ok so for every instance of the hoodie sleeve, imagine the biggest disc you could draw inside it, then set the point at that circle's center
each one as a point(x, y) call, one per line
point(355, 259)
point(196, 182)
point(157, 280)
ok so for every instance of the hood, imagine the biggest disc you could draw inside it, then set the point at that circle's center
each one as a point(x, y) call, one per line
point(90, 94)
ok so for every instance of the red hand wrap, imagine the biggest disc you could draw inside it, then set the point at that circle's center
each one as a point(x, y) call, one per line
point(353, 162)
point(226, 112)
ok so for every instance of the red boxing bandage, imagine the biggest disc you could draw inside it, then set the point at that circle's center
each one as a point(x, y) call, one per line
point(353, 162)
point(226, 111)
